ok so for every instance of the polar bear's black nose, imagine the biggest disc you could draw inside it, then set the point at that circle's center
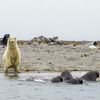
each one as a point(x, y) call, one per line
point(12, 41)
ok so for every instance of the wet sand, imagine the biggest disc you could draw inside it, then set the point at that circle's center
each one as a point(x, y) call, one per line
point(45, 57)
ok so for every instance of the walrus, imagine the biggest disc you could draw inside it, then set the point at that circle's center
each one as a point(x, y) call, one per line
point(75, 81)
point(66, 75)
point(5, 39)
point(57, 79)
point(91, 76)
point(95, 43)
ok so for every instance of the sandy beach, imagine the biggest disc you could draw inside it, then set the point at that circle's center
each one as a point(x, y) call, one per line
point(50, 57)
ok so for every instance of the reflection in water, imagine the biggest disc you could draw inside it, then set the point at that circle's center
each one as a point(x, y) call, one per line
point(11, 75)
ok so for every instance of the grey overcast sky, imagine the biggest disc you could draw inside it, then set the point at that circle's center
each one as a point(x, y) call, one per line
point(68, 19)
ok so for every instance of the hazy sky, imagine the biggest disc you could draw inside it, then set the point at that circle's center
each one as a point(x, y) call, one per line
point(68, 19)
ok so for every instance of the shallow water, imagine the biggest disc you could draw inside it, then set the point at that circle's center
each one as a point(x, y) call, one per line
point(16, 88)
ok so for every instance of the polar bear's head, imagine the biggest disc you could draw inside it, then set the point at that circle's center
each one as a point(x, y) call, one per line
point(12, 41)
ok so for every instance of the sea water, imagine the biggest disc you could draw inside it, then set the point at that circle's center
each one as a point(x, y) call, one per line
point(17, 88)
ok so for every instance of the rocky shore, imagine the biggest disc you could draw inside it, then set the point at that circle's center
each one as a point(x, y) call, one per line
point(51, 54)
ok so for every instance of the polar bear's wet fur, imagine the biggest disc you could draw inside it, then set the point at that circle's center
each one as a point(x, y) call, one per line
point(11, 57)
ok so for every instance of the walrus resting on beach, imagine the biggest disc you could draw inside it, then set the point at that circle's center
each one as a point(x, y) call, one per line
point(65, 75)
point(57, 79)
point(91, 76)
point(5, 39)
point(75, 81)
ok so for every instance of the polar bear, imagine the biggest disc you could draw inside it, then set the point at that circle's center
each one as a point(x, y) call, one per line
point(12, 56)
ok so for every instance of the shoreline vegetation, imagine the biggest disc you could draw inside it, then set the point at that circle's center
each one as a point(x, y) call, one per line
point(51, 54)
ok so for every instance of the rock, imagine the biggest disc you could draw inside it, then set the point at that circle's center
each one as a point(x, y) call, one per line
point(42, 39)
point(53, 41)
